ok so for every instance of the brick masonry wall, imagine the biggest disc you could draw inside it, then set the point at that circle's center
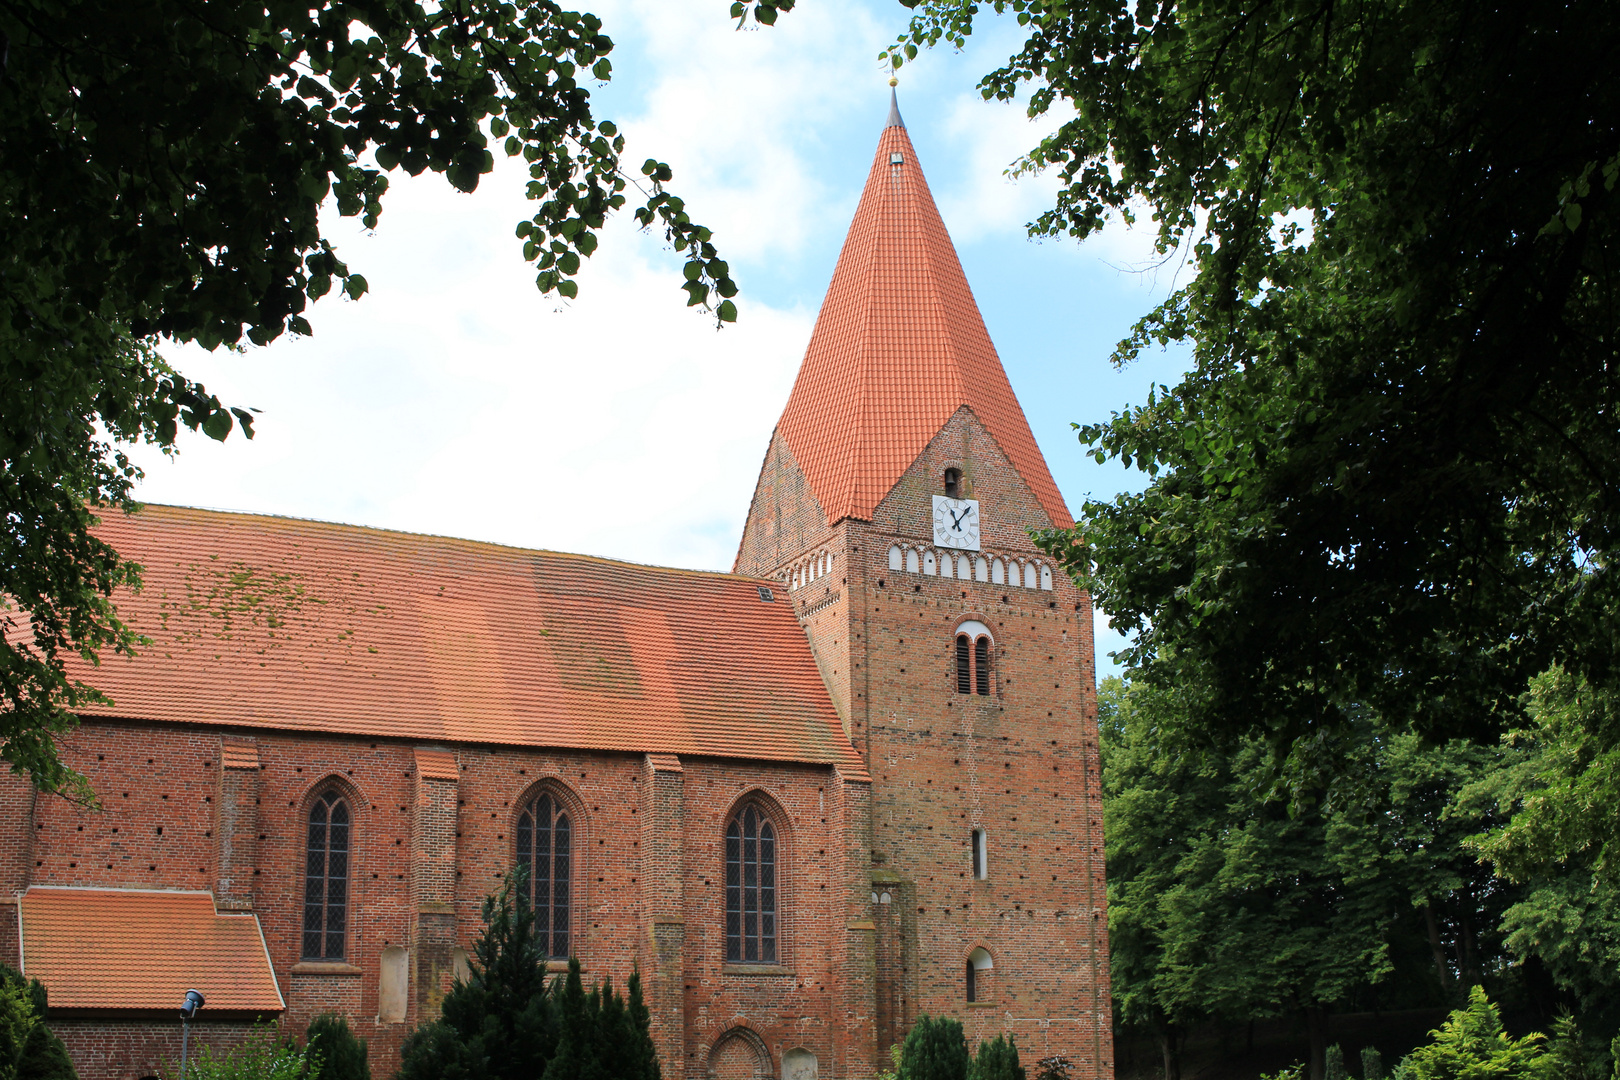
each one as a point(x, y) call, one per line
point(1021, 764)
point(425, 853)
point(143, 1048)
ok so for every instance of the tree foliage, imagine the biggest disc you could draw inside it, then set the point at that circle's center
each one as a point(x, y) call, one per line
point(28, 1049)
point(1392, 477)
point(1237, 895)
point(166, 164)
point(1472, 1045)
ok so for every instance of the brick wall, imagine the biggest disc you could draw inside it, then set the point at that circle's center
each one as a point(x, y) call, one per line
point(648, 876)
point(142, 1048)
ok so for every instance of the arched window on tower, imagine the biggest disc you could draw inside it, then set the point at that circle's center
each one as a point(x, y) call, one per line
point(979, 966)
point(895, 557)
point(973, 661)
point(912, 566)
point(326, 879)
point(545, 843)
point(751, 902)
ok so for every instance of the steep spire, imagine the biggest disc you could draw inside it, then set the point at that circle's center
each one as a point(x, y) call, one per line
point(898, 347)
point(894, 109)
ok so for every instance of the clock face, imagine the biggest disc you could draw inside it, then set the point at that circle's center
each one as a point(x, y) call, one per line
point(956, 523)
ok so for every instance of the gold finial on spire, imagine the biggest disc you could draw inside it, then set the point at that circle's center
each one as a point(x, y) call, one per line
point(893, 81)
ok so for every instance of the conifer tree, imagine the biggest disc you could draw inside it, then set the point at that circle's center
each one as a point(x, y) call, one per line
point(997, 1059)
point(505, 1022)
point(341, 1053)
point(935, 1049)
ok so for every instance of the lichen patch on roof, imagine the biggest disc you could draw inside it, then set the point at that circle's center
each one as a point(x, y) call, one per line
point(143, 949)
point(302, 625)
point(898, 347)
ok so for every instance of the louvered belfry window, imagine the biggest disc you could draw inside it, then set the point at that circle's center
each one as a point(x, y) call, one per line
point(326, 879)
point(973, 665)
point(751, 910)
point(545, 847)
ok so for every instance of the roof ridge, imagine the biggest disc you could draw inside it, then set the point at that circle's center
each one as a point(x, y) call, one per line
point(378, 530)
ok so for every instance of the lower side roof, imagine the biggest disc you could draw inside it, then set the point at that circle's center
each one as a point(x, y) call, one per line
point(143, 949)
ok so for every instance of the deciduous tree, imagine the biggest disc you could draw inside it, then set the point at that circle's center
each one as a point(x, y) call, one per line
point(165, 166)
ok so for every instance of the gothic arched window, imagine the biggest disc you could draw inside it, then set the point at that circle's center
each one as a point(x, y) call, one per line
point(751, 902)
point(326, 879)
point(545, 847)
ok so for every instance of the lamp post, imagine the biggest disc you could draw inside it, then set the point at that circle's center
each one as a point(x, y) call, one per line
point(188, 1009)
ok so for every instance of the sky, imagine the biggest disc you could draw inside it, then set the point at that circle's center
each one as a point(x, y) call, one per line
point(455, 399)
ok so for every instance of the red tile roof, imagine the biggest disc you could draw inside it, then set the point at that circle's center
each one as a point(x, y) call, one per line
point(898, 347)
point(235, 755)
point(139, 949)
point(308, 626)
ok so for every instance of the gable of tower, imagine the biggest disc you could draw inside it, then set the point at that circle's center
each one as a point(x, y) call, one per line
point(1008, 507)
point(898, 347)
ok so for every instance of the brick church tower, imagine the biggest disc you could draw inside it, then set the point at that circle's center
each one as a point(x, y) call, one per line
point(896, 503)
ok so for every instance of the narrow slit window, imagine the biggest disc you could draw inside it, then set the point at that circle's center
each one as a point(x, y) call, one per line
point(981, 666)
point(981, 852)
point(964, 670)
point(972, 983)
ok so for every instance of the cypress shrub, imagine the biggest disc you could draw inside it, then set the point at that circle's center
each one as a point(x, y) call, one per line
point(935, 1049)
point(342, 1053)
point(1372, 1063)
point(506, 1022)
point(1335, 1063)
point(997, 1059)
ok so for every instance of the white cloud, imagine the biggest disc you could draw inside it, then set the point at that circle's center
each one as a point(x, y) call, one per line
point(456, 399)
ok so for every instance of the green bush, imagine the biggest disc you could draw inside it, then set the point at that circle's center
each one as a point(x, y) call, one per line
point(342, 1053)
point(1372, 1063)
point(935, 1049)
point(262, 1056)
point(997, 1059)
point(1471, 1045)
point(28, 1049)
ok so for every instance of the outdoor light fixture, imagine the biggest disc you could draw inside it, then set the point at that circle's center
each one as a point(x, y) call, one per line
point(188, 1009)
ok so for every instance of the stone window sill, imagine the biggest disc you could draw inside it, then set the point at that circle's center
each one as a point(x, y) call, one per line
point(980, 1004)
point(755, 969)
point(323, 967)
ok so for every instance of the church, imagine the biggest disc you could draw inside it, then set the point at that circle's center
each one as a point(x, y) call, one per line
point(851, 782)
